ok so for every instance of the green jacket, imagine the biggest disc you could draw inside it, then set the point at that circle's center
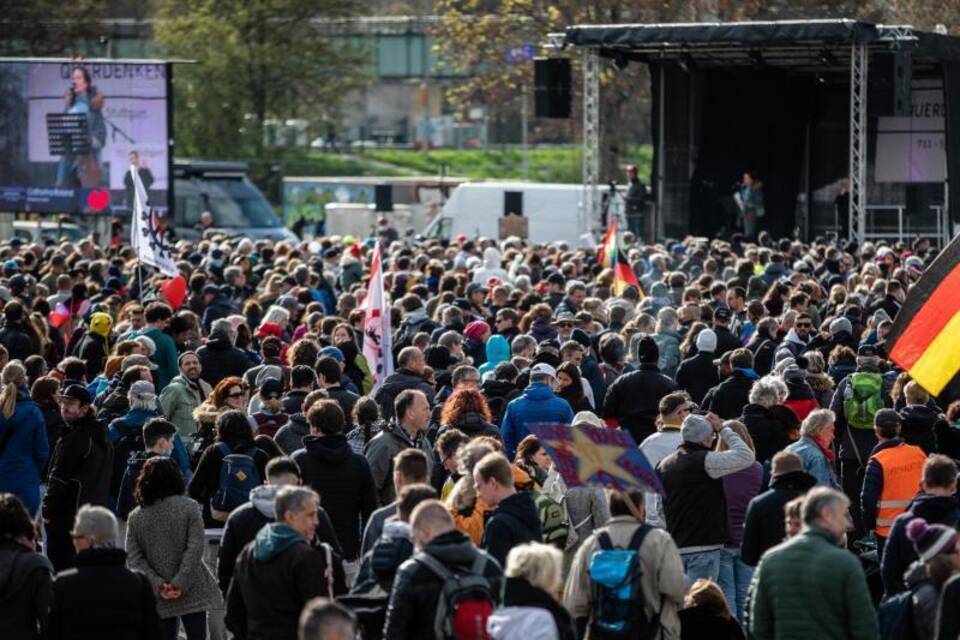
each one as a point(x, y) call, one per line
point(808, 587)
point(179, 399)
point(165, 357)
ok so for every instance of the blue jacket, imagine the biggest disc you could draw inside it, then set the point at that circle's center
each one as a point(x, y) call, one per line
point(26, 452)
point(134, 421)
point(537, 404)
point(814, 462)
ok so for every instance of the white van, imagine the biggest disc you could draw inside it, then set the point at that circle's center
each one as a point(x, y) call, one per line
point(475, 208)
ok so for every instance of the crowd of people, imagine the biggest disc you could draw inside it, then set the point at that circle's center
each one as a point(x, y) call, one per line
point(224, 463)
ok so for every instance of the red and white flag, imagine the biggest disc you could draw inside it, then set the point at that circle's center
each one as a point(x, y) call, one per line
point(377, 334)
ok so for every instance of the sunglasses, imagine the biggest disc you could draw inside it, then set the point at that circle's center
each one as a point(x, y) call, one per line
point(565, 325)
point(804, 325)
point(235, 394)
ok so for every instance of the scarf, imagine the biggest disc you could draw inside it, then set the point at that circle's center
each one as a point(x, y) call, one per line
point(750, 373)
point(827, 451)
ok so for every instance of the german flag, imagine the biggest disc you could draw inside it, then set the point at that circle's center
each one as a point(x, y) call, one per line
point(925, 340)
point(608, 247)
point(623, 275)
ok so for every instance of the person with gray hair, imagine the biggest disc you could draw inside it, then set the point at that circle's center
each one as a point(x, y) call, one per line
point(764, 422)
point(814, 568)
point(524, 346)
point(101, 589)
point(576, 293)
point(815, 446)
point(534, 572)
point(409, 375)
point(277, 574)
point(220, 358)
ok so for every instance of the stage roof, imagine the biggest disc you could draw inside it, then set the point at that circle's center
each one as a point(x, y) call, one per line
point(787, 43)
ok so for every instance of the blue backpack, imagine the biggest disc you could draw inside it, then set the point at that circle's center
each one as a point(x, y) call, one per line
point(616, 594)
point(238, 476)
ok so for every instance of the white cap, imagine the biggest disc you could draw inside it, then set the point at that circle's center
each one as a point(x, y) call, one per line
point(707, 341)
point(543, 369)
point(588, 418)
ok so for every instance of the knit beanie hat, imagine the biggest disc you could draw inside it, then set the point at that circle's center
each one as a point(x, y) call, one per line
point(931, 539)
point(695, 428)
point(707, 341)
point(647, 350)
point(841, 324)
point(476, 329)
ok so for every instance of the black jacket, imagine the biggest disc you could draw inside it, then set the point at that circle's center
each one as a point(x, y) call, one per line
point(475, 350)
point(293, 401)
point(699, 622)
point(206, 478)
point(697, 375)
point(899, 552)
point(763, 348)
point(219, 359)
point(93, 350)
point(25, 591)
point(763, 527)
point(343, 479)
point(80, 471)
point(514, 522)
point(19, 342)
point(100, 593)
point(473, 425)
point(499, 394)
point(244, 523)
point(769, 434)
point(520, 593)
point(633, 400)
point(918, 426)
point(346, 399)
point(416, 589)
point(726, 341)
point(266, 597)
point(401, 380)
point(728, 398)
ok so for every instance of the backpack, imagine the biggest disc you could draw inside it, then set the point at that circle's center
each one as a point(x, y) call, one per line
point(862, 399)
point(616, 595)
point(895, 616)
point(125, 501)
point(238, 476)
point(124, 450)
point(554, 522)
point(466, 600)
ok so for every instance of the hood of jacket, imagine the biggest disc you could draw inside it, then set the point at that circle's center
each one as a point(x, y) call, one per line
point(919, 414)
point(794, 338)
point(471, 423)
point(497, 388)
point(541, 329)
point(452, 547)
point(17, 564)
point(491, 258)
point(272, 540)
point(799, 390)
point(262, 499)
point(219, 341)
point(522, 507)
point(498, 350)
point(299, 425)
point(333, 450)
point(538, 392)
point(799, 481)
point(939, 509)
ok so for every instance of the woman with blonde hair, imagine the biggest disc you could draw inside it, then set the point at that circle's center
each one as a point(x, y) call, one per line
point(530, 608)
point(24, 447)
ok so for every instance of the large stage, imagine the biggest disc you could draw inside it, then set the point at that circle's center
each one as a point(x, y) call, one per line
point(802, 104)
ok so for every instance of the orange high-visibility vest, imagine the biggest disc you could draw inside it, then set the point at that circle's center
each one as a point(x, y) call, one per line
point(902, 469)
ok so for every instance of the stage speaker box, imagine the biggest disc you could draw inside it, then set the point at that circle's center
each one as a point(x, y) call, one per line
point(513, 203)
point(902, 81)
point(891, 77)
point(383, 197)
point(552, 95)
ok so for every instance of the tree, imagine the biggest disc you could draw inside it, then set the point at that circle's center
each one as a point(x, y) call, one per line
point(256, 60)
point(49, 27)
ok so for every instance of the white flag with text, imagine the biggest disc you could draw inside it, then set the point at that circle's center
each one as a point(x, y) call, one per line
point(377, 334)
point(147, 237)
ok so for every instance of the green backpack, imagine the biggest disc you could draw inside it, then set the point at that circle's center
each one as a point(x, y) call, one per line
point(553, 520)
point(862, 399)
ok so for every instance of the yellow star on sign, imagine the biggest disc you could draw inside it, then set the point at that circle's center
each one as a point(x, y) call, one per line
point(593, 457)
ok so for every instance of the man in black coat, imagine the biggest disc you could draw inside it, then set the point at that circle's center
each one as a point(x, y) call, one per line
point(726, 340)
point(14, 335)
point(329, 373)
point(246, 521)
point(80, 470)
point(764, 524)
point(100, 590)
point(936, 503)
point(409, 375)
point(279, 572)
point(697, 374)
point(329, 466)
point(633, 400)
point(515, 520)
point(417, 588)
point(728, 398)
point(219, 358)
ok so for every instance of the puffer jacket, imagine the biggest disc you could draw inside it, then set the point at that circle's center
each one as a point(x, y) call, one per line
point(918, 426)
point(416, 589)
point(25, 455)
point(25, 591)
point(926, 597)
point(514, 521)
point(811, 568)
point(899, 552)
point(538, 403)
point(764, 527)
point(633, 400)
point(219, 359)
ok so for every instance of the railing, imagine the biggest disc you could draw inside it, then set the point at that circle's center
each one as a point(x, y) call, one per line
point(901, 227)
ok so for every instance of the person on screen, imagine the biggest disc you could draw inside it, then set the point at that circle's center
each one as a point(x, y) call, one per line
point(146, 177)
point(83, 170)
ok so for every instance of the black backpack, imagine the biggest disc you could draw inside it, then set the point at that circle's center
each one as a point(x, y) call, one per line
point(124, 450)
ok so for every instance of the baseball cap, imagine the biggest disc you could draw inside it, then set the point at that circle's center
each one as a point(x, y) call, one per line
point(77, 392)
point(333, 352)
point(886, 418)
point(142, 391)
point(695, 428)
point(722, 360)
point(722, 313)
point(565, 316)
point(543, 369)
point(867, 351)
point(588, 418)
point(474, 287)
